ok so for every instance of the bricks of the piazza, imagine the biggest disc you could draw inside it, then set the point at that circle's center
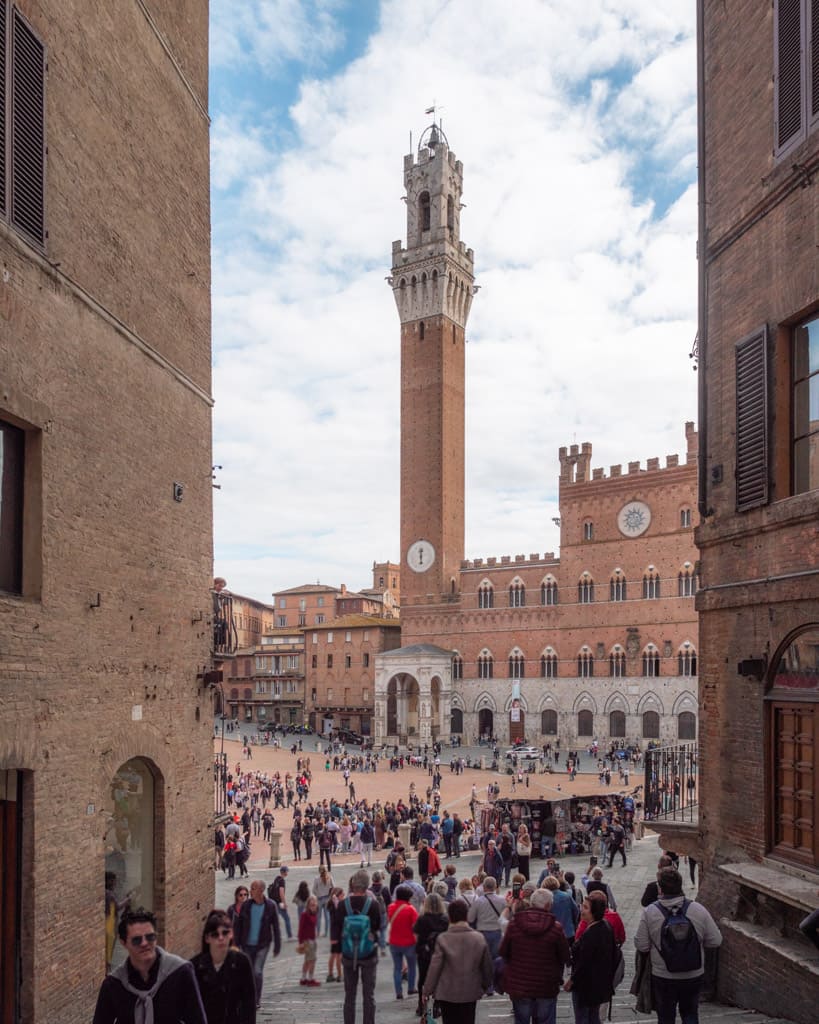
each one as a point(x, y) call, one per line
point(105, 349)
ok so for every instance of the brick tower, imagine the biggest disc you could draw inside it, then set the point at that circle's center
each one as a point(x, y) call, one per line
point(432, 281)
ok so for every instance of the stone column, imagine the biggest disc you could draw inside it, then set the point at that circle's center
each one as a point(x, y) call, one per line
point(445, 713)
point(425, 720)
point(404, 830)
point(275, 849)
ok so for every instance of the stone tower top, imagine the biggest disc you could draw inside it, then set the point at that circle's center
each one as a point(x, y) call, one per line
point(434, 274)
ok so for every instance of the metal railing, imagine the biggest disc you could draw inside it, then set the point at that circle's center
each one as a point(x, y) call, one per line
point(225, 636)
point(671, 783)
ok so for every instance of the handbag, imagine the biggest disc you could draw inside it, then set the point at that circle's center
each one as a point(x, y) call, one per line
point(301, 948)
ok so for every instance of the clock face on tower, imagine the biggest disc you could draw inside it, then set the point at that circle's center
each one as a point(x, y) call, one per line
point(634, 518)
point(420, 556)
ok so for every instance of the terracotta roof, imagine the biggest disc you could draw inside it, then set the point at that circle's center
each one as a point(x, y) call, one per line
point(355, 621)
point(309, 588)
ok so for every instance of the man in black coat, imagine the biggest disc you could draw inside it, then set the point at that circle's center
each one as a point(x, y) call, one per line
point(162, 985)
point(255, 929)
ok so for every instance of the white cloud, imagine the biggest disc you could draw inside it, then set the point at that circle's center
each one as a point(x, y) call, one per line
point(587, 308)
point(269, 33)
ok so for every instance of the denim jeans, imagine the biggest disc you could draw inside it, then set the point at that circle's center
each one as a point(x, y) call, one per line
point(285, 916)
point(493, 940)
point(584, 1014)
point(399, 954)
point(668, 992)
point(257, 956)
point(366, 968)
point(323, 915)
point(540, 1010)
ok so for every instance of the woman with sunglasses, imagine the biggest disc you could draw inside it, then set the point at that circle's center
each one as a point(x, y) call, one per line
point(241, 894)
point(224, 975)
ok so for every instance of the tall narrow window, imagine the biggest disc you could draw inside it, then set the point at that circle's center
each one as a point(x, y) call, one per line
point(424, 212)
point(585, 590)
point(685, 518)
point(548, 722)
point(486, 595)
point(585, 664)
point(517, 595)
point(686, 583)
point(588, 530)
point(796, 72)
point(651, 725)
point(651, 585)
point(12, 452)
point(617, 663)
point(687, 660)
point(548, 666)
point(617, 724)
point(585, 723)
point(457, 667)
point(651, 662)
point(486, 666)
point(806, 404)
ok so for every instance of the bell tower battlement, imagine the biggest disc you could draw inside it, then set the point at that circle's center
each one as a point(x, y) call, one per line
point(433, 275)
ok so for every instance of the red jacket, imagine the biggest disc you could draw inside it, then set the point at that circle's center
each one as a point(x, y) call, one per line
point(402, 916)
point(536, 950)
point(614, 920)
point(307, 926)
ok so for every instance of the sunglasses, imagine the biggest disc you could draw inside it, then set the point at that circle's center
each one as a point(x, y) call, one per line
point(220, 933)
point(137, 940)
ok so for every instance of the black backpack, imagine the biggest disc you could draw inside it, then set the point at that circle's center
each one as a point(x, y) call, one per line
point(679, 942)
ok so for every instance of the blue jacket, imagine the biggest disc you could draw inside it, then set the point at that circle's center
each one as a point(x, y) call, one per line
point(566, 911)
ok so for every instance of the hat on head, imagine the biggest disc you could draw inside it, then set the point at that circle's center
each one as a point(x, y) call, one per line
point(284, 869)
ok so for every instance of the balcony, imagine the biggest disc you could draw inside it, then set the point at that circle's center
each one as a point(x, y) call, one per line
point(225, 636)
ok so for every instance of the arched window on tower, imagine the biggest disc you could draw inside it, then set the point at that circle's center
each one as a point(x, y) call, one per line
point(651, 662)
point(486, 665)
point(585, 589)
point(687, 581)
point(517, 666)
point(486, 595)
point(651, 584)
point(517, 594)
point(424, 212)
point(687, 660)
point(548, 664)
point(617, 586)
point(450, 216)
point(457, 667)
point(585, 663)
point(617, 662)
point(421, 330)
point(548, 591)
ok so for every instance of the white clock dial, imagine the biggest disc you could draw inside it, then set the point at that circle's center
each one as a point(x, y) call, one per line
point(420, 556)
point(634, 519)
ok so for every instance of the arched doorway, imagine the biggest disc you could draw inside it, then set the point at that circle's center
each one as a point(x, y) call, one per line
point(456, 721)
point(130, 841)
point(486, 723)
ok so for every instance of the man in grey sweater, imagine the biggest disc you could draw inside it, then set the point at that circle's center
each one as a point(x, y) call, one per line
point(484, 915)
point(675, 987)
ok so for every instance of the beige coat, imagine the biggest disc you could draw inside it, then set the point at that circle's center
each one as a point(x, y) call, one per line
point(461, 967)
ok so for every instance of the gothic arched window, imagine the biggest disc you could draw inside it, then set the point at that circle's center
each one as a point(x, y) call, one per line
point(486, 666)
point(617, 663)
point(585, 664)
point(486, 595)
point(617, 587)
point(517, 595)
point(548, 591)
point(424, 212)
point(651, 661)
point(585, 589)
point(457, 667)
point(548, 666)
point(517, 664)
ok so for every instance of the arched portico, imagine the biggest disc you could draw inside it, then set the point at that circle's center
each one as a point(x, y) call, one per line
point(413, 695)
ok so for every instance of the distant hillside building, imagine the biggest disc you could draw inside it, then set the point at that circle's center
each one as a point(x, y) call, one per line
point(601, 642)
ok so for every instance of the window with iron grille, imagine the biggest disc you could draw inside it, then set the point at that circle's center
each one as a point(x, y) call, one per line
point(22, 125)
point(796, 72)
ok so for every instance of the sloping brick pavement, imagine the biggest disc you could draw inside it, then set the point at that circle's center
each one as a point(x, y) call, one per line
point(284, 1001)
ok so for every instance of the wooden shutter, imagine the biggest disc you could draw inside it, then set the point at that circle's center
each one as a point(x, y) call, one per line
point(789, 73)
point(813, 51)
point(27, 130)
point(752, 420)
point(2, 106)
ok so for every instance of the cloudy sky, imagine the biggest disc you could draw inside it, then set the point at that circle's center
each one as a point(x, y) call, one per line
point(576, 125)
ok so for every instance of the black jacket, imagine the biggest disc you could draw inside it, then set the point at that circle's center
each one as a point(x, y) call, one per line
point(593, 965)
point(229, 994)
point(269, 932)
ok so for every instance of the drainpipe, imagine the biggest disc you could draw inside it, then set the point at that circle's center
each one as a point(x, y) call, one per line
point(702, 281)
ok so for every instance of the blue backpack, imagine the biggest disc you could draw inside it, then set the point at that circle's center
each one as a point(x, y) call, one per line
point(679, 943)
point(357, 939)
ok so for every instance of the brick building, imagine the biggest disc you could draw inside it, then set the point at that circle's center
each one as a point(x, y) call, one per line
point(600, 642)
point(340, 671)
point(105, 457)
point(759, 496)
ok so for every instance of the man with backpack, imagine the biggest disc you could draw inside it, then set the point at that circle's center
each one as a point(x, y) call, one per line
point(676, 932)
point(360, 918)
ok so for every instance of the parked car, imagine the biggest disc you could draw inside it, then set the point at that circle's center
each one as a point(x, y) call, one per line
point(525, 753)
point(348, 736)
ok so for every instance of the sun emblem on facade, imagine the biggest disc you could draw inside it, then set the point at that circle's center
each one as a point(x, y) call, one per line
point(634, 519)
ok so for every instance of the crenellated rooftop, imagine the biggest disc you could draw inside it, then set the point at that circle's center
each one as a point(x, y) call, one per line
point(575, 462)
point(510, 562)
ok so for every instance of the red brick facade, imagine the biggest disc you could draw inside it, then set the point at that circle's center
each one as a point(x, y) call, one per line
point(759, 542)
